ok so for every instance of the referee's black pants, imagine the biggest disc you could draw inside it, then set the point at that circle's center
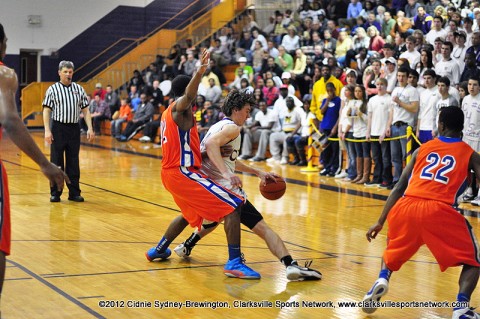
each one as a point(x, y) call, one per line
point(64, 152)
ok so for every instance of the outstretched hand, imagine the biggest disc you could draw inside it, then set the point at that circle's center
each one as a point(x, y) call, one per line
point(373, 231)
point(204, 61)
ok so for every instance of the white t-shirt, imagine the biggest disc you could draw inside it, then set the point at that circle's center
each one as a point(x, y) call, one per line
point(305, 130)
point(359, 122)
point(428, 100)
point(407, 94)
point(441, 103)
point(412, 57)
point(471, 109)
point(450, 69)
point(433, 34)
point(379, 108)
point(266, 119)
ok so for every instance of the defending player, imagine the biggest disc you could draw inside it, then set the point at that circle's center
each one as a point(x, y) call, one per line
point(200, 199)
point(218, 167)
point(419, 211)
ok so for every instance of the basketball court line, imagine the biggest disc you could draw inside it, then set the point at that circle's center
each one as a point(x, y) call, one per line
point(57, 290)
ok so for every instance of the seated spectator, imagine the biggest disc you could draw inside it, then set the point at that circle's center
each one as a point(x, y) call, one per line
point(238, 77)
point(376, 41)
point(189, 66)
point(137, 80)
point(125, 114)
point(142, 115)
point(271, 66)
point(272, 50)
point(151, 74)
point(220, 53)
point(100, 113)
point(156, 95)
point(328, 42)
point(286, 77)
point(100, 91)
point(291, 41)
point(284, 60)
point(257, 56)
point(218, 72)
point(247, 69)
point(245, 86)
point(403, 24)
point(290, 120)
point(270, 92)
point(259, 131)
point(209, 117)
point(297, 142)
point(243, 45)
point(213, 93)
point(206, 79)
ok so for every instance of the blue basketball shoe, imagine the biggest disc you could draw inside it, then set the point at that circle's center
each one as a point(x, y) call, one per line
point(236, 268)
point(153, 254)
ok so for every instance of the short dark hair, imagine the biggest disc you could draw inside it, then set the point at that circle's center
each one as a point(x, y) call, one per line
point(179, 84)
point(445, 80)
point(236, 100)
point(414, 73)
point(430, 72)
point(404, 69)
point(452, 117)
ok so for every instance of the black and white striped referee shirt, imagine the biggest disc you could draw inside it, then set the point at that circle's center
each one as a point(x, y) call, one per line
point(66, 102)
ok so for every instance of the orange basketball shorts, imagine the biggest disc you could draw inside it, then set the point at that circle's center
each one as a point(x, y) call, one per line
point(199, 197)
point(413, 222)
point(4, 213)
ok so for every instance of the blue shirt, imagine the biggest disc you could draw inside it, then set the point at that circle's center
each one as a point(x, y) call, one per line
point(330, 117)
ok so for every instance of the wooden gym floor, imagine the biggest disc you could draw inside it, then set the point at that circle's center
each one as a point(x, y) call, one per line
point(68, 258)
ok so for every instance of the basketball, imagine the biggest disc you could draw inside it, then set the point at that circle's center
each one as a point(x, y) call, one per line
point(273, 189)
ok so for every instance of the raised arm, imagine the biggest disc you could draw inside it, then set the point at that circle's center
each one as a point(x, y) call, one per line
point(185, 102)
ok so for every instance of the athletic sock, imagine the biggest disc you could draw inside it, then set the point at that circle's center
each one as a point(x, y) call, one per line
point(462, 297)
point(234, 252)
point(287, 260)
point(192, 240)
point(163, 245)
point(385, 274)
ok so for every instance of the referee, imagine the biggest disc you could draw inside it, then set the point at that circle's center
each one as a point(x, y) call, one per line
point(63, 103)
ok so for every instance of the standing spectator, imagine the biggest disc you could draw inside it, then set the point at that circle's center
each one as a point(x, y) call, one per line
point(459, 49)
point(125, 114)
point(436, 31)
point(426, 63)
point(319, 90)
point(445, 99)
point(330, 109)
point(378, 110)
point(428, 100)
point(412, 55)
point(63, 103)
point(142, 115)
point(471, 69)
point(405, 101)
point(358, 112)
point(111, 98)
point(448, 67)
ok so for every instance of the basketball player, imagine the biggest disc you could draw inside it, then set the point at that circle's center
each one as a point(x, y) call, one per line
point(419, 211)
point(201, 200)
point(237, 108)
point(11, 122)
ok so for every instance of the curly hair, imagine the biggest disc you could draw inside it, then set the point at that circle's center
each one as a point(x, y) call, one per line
point(236, 100)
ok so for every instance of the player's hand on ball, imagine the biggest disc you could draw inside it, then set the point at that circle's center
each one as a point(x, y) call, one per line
point(264, 176)
point(373, 231)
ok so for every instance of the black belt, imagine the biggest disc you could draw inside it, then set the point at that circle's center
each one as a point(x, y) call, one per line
point(400, 123)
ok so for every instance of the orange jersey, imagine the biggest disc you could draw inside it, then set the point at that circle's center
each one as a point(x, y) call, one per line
point(441, 170)
point(180, 148)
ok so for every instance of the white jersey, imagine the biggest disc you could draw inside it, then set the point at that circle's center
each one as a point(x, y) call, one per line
point(209, 169)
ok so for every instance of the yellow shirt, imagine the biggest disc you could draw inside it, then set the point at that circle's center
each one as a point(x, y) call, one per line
point(319, 92)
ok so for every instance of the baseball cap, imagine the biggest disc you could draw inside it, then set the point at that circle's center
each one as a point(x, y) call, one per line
point(98, 85)
point(284, 86)
point(242, 59)
point(286, 75)
point(391, 60)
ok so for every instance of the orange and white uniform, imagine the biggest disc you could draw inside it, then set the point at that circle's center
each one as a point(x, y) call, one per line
point(5, 230)
point(197, 196)
point(424, 215)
